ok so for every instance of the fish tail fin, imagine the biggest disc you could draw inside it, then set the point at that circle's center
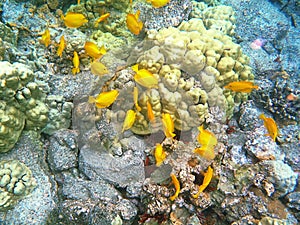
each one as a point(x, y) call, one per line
point(137, 14)
point(262, 116)
point(75, 70)
point(62, 16)
point(91, 99)
point(96, 24)
point(140, 25)
point(135, 68)
point(255, 87)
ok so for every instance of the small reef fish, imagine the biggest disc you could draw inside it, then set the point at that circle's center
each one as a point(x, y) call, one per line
point(129, 120)
point(176, 183)
point(158, 3)
point(98, 68)
point(74, 20)
point(92, 50)
point(208, 142)
point(76, 63)
point(144, 77)
point(45, 39)
point(104, 99)
point(257, 44)
point(78, 2)
point(159, 154)
point(150, 113)
point(133, 24)
point(168, 125)
point(241, 86)
point(101, 18)
point(271, 126)
point(136, 98)
point(207, 178)
point(61, 46)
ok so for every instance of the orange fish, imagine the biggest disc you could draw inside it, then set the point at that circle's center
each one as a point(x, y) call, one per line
point(168, 125)
point(136, 98)
point(129, 120)
point(74, 20)
point(134, 25)
point(159, 154)
point(150, 113)
point(104, 99)
point(208, 142)
point(46, 38)
point(241, 86)
point(61, 46)
point(271, 126)
point(76, 63)
point(158, 3)
point(207, 178)
point(101, 18)
point(176, 183)
point(144, 77)
point(92, 50)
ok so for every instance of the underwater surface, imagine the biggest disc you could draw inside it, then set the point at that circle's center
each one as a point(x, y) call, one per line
point(149, 112)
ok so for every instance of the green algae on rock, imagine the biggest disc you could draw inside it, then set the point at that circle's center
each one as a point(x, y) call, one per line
point(22, 103)
point(16, 182)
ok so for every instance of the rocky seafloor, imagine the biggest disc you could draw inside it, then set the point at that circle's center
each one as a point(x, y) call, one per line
point(64, 161)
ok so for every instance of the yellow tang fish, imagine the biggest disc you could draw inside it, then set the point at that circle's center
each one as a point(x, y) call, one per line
point(145, 77)
point(176, 183)
point(136, 98)
point(74, 20)
point(61, 46)
point(159, 154)
point(150, 113)
point(92, 50)
point(241, 86)
point(129, 120)
point(46, 38)
point(207, 178)
point(101, 18)
point(271, 126)
point(208, 142)
point(97, 68)
point(104, 99)
point(134, 25)
point(168, 125)
point(158, 3)
point(76, 63)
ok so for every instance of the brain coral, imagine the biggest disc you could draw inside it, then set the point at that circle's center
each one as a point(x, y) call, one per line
point(21, 103)
point(192, 64)
point(16, 182)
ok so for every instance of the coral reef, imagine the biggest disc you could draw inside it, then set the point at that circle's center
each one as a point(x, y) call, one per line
point(16, 182)
point(22, 103)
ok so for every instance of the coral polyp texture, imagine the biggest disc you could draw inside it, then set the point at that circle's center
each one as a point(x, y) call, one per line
point(21, 103)
point(16, 182)
point(193, 65)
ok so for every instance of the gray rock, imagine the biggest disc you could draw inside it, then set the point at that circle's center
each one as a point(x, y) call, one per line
point(124, 172)
point(248, 119)
point(63, 150)
point(293, 200)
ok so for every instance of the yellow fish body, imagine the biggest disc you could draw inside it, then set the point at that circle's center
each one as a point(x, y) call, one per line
point(101, 18)
point(98, 68)
point(76, 63)
point(168, 125)
point(208, 142)
point(158, 3)
point(176, 183)
point(207, 178)
point(61, 46)
point(241, 86)
point(129, 120)
point(145, 77)
point(271, 126)
point(150, 113)
point(45, 39)
point(159, 154)
point(92, 50)
point(104, 99)
point(133, 24)
point(136, 98)
point(74, 20)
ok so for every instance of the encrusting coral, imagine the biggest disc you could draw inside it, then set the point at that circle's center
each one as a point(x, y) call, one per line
point(21, 103)
point(16, 182)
